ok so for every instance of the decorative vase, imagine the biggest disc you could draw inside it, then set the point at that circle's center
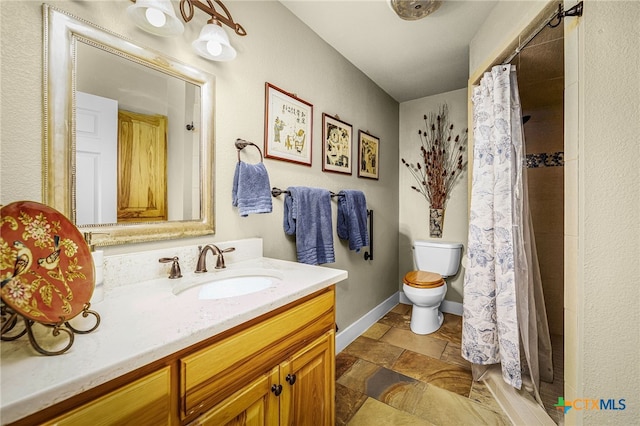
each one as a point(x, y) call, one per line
point(436, 221)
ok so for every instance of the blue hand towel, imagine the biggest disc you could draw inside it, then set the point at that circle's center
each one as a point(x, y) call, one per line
point(352, 219)
point(251, 189)
point(307, 214)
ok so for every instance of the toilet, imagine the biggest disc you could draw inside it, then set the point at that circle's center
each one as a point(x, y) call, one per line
point(426, 286)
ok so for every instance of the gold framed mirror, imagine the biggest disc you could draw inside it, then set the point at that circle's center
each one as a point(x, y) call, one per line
point(154, 181)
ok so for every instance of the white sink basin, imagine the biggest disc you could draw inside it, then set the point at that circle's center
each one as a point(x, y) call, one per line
point(229, 283)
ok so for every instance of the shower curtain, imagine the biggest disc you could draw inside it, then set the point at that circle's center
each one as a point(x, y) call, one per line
point(504, 319)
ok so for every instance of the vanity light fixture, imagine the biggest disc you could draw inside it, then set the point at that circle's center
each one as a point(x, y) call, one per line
point(213, 43)
point(158, 17)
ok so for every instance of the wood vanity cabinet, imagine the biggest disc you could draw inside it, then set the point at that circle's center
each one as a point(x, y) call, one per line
point(277, 369)
point(146, 401)
point(297, 392)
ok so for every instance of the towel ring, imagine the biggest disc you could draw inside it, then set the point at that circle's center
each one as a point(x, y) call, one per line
point(242, 144)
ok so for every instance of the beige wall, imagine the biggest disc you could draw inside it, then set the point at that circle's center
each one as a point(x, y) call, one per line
point(602, 196)
point(608, 174)
point(278, 49)
point(414, 209)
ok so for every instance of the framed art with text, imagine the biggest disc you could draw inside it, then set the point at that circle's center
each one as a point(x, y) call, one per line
point(336, 145)
point(368, 155)
point(288, 126)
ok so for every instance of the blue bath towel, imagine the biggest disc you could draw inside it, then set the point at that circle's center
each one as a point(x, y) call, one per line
point(251, 189)
point(352, 219)
point(307, 214)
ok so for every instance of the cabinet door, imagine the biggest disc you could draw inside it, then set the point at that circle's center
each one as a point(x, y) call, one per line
point(146, 401)
point(253, 405)
point(309, 386)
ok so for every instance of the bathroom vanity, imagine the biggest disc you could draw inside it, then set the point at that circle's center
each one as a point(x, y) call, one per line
point(165, 358)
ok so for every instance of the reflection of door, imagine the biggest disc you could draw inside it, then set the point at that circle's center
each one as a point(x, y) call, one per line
point(142, 167)
point(96, 153)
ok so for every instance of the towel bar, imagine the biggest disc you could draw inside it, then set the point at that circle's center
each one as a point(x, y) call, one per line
point(277, 192)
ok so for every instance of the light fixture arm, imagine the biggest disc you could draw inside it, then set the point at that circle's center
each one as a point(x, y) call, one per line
point(187, 9)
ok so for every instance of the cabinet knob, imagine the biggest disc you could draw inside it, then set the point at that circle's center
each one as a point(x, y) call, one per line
point(291, 378)
point(276, 389)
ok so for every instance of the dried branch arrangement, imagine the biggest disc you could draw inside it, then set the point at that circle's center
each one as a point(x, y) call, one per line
point(443, 159)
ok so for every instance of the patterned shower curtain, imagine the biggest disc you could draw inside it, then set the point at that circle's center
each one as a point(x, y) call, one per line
point(504, 318)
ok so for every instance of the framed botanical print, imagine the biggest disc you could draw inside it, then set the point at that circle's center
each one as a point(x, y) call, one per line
point(336, 145)
point(288, 125)
point(368, 155)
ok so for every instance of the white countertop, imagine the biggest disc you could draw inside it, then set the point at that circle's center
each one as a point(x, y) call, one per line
point(141, 323)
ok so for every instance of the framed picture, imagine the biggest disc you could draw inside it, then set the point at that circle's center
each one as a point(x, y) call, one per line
point(336, 145)
point(368, 155)
point(288, 125)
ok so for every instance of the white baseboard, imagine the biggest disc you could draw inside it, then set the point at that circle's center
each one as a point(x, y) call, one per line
point(446, 305)
point(349, 334)
point(451, 307)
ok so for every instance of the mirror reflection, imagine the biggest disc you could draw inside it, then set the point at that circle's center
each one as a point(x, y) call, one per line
point(137, 154)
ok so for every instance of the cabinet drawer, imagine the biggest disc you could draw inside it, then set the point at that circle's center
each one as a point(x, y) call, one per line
point(145, 401)
point(213, 373)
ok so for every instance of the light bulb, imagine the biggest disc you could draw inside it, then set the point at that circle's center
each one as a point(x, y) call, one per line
point(155, 17)
point(214, 47)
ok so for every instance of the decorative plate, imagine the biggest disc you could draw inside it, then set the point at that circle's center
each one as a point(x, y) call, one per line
point(47, 269)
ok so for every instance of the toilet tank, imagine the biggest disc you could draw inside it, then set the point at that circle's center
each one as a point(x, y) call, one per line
point(439, 257)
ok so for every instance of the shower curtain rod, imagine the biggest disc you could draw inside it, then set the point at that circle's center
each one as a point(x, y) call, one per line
point(559, 14)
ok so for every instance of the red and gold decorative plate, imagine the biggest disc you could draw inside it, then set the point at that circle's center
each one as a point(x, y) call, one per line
point(47, 269)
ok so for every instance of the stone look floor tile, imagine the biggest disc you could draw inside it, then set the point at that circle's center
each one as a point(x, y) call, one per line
point(357, 376)
point(447, 408)
point(406, 339)
point(435, 372)
point(394, 319)
point(391, 376)
point(348, 401)
point(451, 329)
point(452, 355)
point(402, 309)
point(376, 331)
point(395, 389)
point(375, 351)
point(392, 388)
point(373, 413)
point(344, 362)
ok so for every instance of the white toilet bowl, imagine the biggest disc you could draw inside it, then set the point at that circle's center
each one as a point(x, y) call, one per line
point(426, 291)
point(426, 286)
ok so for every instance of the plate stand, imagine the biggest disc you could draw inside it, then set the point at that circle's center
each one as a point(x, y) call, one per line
point(61, 331)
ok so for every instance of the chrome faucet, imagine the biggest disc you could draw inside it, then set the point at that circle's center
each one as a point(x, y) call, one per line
point(202, 257)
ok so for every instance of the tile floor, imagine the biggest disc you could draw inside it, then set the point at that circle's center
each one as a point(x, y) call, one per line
point(390, 376)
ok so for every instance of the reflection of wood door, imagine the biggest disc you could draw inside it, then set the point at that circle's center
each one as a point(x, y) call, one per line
point(142, 167)
point(96, 159)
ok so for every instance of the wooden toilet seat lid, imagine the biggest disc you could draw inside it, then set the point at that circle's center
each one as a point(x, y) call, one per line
point(423, 279)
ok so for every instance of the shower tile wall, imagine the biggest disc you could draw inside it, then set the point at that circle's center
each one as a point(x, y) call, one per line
point(541, 81)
